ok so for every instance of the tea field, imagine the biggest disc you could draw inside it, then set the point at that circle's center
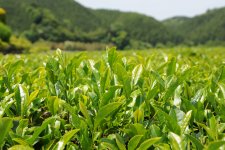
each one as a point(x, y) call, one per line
point(158, 99)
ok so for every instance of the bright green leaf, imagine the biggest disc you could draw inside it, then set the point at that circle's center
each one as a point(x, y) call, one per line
point(120, 143)
point(134, 141)
point(5, 126)
point(65, 139)
point(175, 141)
point(215, 145)
point(185, 121)
point(148, 143)
point(136, 74)
point(20, 147)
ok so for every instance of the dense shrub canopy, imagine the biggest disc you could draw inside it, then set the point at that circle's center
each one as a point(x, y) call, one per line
point(170, 99)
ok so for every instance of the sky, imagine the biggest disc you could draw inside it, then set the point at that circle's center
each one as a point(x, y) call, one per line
point(159, 9)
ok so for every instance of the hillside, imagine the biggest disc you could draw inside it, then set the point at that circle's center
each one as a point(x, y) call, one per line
point(175, 22)
point(139, 27)
point(209, 26)
point(23, 13)
point(67, 20)
point(72, 21)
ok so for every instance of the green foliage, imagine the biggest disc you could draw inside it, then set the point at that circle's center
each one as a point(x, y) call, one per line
point(82, 46)
point(5, 125)
point(19, 44)
point(160, 99)
point(23, 45)
point(2, 15)
point(65, 139)
point(5, 32)
point(4, 46)
point(40, 47)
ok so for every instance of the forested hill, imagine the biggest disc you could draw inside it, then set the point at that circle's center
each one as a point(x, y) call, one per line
point(204, 28)
point(23, 14)
point(62, 20)
point(138, 26)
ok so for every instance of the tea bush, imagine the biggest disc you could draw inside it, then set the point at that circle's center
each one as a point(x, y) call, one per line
point(159, 99)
